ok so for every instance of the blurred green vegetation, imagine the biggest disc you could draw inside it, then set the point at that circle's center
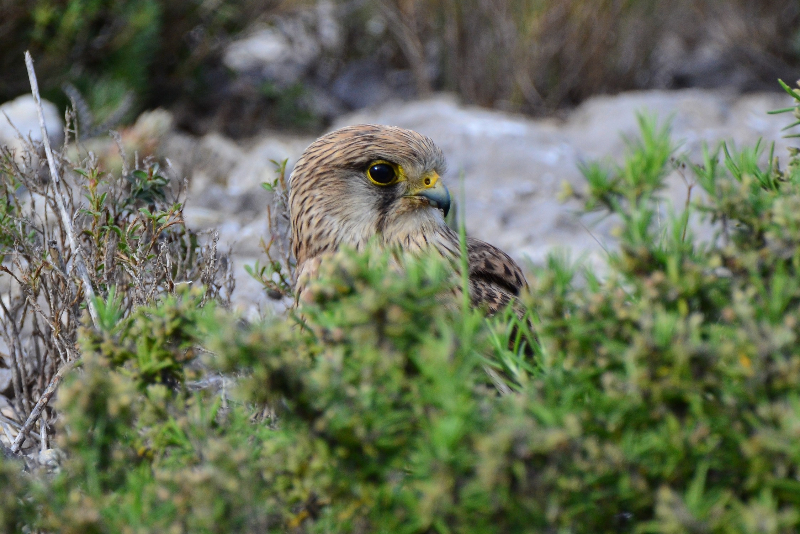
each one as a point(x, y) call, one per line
point(663, 396)
point(159, 51)
point(530, 56)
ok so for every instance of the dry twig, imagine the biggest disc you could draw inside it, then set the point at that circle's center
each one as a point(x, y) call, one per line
point(37, 410)
point(80, 264)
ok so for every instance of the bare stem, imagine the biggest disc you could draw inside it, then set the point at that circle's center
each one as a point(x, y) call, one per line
point(37, 410)
point(67, 221)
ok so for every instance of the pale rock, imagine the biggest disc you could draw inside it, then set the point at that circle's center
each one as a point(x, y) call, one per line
point(245, 238)
point(201, 218)
point(181, 151)
point(329, 31)
point(512, 169)
point(216, 157)
point(258, 165)
point(51, 459)
point(282, 54)
point(152, 124)
point(262, 47)
point(24, 120)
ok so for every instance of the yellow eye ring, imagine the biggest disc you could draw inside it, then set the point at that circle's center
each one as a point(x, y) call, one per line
point(383, 173)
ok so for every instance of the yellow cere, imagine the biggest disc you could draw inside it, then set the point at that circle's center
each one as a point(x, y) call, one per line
point(430, 179)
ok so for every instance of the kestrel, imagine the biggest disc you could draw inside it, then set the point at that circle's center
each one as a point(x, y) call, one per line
point(367, 182)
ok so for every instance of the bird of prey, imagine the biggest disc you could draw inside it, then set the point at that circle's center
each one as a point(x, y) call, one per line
point(383, 183)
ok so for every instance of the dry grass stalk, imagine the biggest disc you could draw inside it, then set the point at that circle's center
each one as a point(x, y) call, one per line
point(80, 263)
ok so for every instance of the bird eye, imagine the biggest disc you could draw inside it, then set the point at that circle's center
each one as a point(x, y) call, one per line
point(382, 173)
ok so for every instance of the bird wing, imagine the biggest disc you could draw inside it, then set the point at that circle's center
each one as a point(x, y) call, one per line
point(495, 279)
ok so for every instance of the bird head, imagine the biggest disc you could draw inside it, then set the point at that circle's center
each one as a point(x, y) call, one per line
point(363, 181)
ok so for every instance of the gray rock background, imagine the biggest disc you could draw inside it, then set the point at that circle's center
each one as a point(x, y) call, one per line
point(512, 168)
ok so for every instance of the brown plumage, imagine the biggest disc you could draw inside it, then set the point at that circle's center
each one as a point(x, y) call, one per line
point(368, 181)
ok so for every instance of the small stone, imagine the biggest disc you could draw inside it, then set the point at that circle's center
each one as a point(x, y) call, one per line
point(25, 121)
point(51, 459)
point(282, 55)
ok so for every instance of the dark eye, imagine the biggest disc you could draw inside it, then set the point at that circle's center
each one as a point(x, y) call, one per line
point(382, 173)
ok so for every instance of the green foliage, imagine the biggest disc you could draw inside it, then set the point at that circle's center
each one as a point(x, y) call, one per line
point(662, 397)
point(112, 65)
point(153, 345)
point(14, 507)
point(152, 49)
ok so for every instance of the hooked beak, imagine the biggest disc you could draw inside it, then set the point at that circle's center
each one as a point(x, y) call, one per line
point(434, 191)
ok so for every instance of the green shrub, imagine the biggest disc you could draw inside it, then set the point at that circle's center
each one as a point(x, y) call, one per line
point(662, 397)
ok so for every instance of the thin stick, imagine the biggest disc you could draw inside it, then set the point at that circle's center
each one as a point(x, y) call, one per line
point(43, 434)
point(9, 421)
point(76, 252)
point(13, 424)
point(43, 400)
point(65, 218)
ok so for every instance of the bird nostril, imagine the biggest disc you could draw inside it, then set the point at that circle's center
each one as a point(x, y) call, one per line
point(427, 181)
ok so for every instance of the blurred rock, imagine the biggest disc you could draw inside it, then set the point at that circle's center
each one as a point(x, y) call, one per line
point(366, 83)
point(298, 60)
point(270, 54)
point(216, 158)
point(25, 121)
point(286, 50)
point(150, 127)
point(289, 48)
point(144, 138)
point(51, 459)
point(329, 32)
point(323, 104)
point(715, 61)
point(6, 409)
point(258, 166)
point(512, 168)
